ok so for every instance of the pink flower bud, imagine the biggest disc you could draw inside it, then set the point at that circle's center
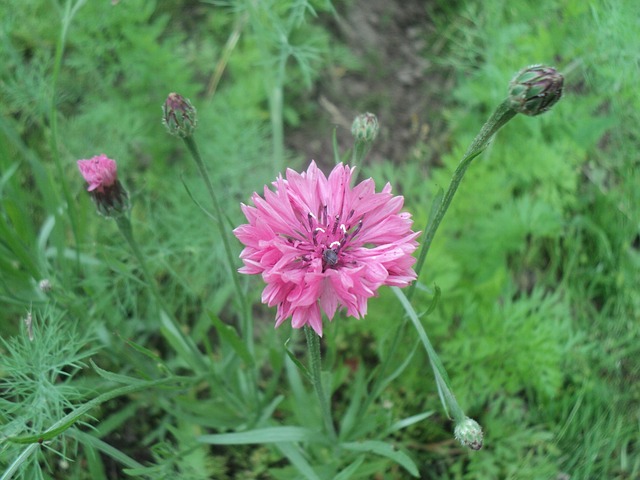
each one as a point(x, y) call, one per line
point(101, 173)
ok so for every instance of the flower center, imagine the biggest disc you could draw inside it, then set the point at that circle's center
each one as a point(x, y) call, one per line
point(330, 236)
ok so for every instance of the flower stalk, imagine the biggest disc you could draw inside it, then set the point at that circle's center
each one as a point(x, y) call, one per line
point(315, 362)
point(247, 330)
point(532, 92)
point(112, 201)
point(180, 119)
point(183, 344)
point(501, 116)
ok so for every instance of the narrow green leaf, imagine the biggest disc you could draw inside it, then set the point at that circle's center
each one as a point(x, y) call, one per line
point(296, 457)
point(396, 373)
point(229, 335)
point(449, 401)
point(116, 377)
point(406, 422)
point(183, 345)
point(15, 465)
point(336, 149)
point(104, 448)
point(263, 435)
point(385, 450)
point(434, 302)
point(198, 204)
point(301, 366)
point(348, 472)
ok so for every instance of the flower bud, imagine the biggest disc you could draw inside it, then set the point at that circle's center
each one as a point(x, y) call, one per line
point(45, 285)
point(469, 433)
point(108, 194)
point(535, 90)
point(179, 116)
point(365, 128)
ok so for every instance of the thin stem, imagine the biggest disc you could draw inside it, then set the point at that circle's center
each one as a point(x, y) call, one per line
point(500, 117)
point(313, 342)
point(442, 379)
point(171, 330)
point(360, 151)
point(247, 330)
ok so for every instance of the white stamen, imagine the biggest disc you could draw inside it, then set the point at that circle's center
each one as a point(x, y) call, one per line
point(334, 244)
point(343, 228)
point(320, 229)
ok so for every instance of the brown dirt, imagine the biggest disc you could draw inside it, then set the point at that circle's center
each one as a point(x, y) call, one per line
point(395, 81)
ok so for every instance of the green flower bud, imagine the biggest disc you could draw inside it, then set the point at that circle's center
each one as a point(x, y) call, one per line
point(179, 116)
point(535, 89)
point(365, 128)
point(469, 433)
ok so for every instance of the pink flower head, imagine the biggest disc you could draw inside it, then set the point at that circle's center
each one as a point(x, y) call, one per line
point(99, 172)
point(320, 244)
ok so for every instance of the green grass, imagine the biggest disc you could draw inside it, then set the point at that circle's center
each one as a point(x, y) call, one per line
point(537, 259)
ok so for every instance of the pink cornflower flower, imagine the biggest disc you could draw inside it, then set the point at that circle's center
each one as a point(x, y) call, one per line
point(320, 244)
point(101, 173)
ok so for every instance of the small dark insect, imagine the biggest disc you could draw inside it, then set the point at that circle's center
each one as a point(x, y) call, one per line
point(330, 257)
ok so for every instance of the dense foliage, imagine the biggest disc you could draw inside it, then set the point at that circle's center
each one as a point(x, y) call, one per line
point(529, 292)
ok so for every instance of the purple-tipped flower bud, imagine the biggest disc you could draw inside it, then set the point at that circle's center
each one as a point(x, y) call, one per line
point(535, 89)
point(101, 173)
point(469, 433)
point(365, 128)
point(179, 116)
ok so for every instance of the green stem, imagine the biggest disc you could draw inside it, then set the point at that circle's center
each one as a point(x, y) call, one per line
point(313, 342)
point(183, 344)
point(247, 330)
point(500, 117)
point(442, 379)
point(360, 151)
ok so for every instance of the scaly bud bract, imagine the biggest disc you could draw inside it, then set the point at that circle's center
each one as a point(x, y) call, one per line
point(469, 433)
point(535, 89)
point(365, 128)
point(179, 116)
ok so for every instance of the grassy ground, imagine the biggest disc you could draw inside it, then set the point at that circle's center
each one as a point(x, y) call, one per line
point(537, 260)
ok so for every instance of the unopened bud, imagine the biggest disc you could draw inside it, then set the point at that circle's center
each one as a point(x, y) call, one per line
point(469, 433)
point(179, 116)
point(535, 89)
point(365, 128)
point(108, 194)
point(45, 285)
